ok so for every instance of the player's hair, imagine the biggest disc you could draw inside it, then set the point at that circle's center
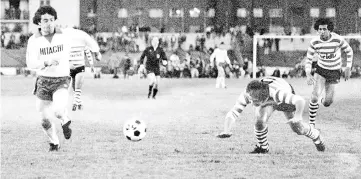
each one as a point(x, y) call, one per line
point(324, 21)
point(256, 85)
point(44, 10)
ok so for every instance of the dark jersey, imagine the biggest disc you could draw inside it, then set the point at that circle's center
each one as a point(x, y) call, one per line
point(154, 57)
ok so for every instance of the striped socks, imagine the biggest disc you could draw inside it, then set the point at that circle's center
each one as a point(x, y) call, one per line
point(262, 138)
point(77, 95)
point(313, 107)
point(313, 134)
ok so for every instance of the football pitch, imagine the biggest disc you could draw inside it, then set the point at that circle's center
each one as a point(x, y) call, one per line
point(180, 142)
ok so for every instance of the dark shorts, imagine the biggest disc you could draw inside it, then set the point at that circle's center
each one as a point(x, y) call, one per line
point(286, 107)
point(331, 76)
point(156, 71)
point(76, 70)
point(45, 87)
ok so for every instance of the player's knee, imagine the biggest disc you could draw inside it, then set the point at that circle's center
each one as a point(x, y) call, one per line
point(46, 123)
point(314, 97)
point(260, 125)
point(298, 128)
point(59, 114)
point(327, 103)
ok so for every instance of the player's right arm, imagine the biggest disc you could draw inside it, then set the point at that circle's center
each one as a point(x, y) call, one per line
point(211, 58)
point(234, 114)
point(143, 56)
point(33, 61)
point(141, 61)
point(308, 63)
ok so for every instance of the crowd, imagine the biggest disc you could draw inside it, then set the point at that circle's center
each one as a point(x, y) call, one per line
point(188, 54)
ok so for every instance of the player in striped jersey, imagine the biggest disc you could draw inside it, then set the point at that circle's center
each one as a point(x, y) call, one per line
point(327, 50)
point(267, 95)
point(82, 48)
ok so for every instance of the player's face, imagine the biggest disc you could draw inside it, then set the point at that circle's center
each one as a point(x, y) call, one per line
point(257, 97)
point(323, 31)
point(155, 42)
point(47, 24)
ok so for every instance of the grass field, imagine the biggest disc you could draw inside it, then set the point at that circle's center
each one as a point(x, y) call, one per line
point(180, 143)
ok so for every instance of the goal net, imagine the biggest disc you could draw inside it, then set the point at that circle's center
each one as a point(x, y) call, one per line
point(288, 53)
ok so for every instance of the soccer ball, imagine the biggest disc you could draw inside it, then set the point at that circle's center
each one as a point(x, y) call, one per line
point(134, 130)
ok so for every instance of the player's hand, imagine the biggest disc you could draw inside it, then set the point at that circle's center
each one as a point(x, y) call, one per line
point(310, 79)
point(52, 62)
point(92, 69)
point(223, 135)
point(98, 56)
point(347, 73)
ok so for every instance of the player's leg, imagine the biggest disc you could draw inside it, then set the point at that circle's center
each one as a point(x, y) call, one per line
point(223, 77)
point(59, 106)
point(220, 77)
point(116, 73)
point(261, 128)
point(72, 75)
point(155, 88)
point(47, 117)
point(151, 78)
point(316, 95)
point(303, 128)
point(329, 94)
point(79, 81)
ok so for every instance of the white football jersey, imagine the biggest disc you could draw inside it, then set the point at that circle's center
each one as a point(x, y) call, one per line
point(40, 49)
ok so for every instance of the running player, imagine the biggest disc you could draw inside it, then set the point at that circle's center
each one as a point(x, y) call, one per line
point(83, 47)
point(327, 48)
point(48, 53)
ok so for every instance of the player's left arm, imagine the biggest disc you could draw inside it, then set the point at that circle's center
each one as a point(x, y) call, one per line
point(228, 61)
point(349, 56)
point(92, 45)
point(164, 58)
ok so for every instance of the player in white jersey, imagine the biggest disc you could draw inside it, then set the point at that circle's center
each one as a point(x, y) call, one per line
point(83, 47)
point(221, 60)
point(327, 50)
point(267, 95)
point(48, 53)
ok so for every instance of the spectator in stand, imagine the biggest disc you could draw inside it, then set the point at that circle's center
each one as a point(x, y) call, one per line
point(277, 73)
point(115, 62)
point(127, 64)
point(2, 39)
point(284, 74)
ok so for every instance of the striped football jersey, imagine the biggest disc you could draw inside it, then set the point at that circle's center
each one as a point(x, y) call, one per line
point(328, 53)
point(280, 91)
point(81, 44)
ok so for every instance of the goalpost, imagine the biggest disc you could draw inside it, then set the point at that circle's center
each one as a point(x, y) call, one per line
point(289, 47)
